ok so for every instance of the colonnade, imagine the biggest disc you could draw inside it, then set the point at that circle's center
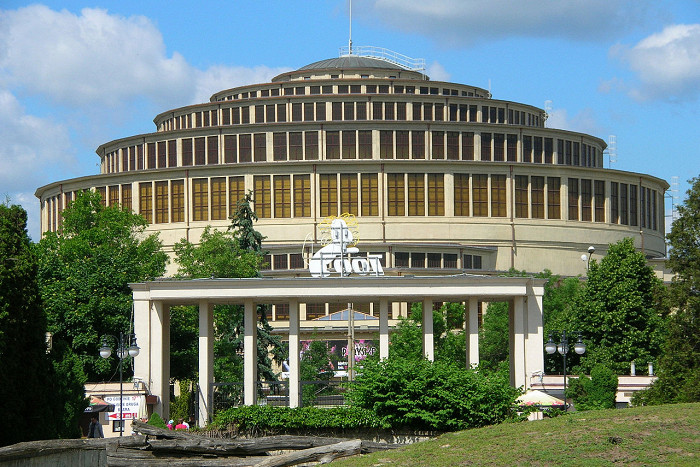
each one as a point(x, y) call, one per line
point(152, 302)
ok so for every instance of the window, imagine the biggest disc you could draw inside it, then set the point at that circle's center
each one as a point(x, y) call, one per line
point(521, 197)
point(471, 262)
point(162, 154)
point(498, 146)
point(261, 196)
point(308, 111)
point(614, 203)
point(395, 194)
point(349, 147)
point(512, 148)
point(177, 201)
point(453, 145)
point(296, 146)
point(418, 144)
point(537, 156)
point(573, 199)
point(370, 194)
point(328, 186)
point(311, 145)
point(279, 146)
point(302, 196)
point(315, 310)
point(146, 201)
point(161, 202)
point(200, 154)
point(537, 197)
point(283, 197)
point(126, 197)
point(416, 195)
point(468, 146)
point(498, 196)
point(297, 112)
point(332, 145)
point(236, 192)
point(361, 111)
point(461, 195)
point(386, 144)
point(348, 194)
point(449, 261)
point(218, 198)
point(485, 146)
point(230, 149)
point(186, 151)
point(553, 198)
point(402, 145)
point(336, 111)
point(348, 111)
point(281, 113)
point(436, 195)
point(151, 159)
point(114, 195)
point(417, 260)
point(296, 261)
point(200, 199)
point(527, 148)
point(365, 144)
point(586, 200)
point(279, 261)
point(246, 148)
point(548, 150)
point(480, 195)
point(633, 205)
point(260, 147)
point(624, 219)
point(599, 193)
point(438, 151)
point(282, 309)
point(401, 259)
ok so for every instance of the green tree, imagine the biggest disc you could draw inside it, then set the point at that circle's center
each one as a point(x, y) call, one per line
point(494, 336)
point(84, 272)
point(617, 310)
point(219, 254)
point(315, 365)
point(597, 392)
point(242, 224)
point(678, 367)
point(35, 394)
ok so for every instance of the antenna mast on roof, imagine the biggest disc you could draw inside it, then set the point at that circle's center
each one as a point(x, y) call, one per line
point(350, 36)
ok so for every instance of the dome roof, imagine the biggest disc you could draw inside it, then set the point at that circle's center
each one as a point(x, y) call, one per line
point(351, 61)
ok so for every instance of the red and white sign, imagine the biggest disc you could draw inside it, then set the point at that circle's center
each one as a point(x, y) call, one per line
point(131, 407)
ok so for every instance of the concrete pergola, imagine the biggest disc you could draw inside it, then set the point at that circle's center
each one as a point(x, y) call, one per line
point(152, 302)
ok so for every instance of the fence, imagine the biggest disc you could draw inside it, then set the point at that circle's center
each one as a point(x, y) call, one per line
point(276, 393)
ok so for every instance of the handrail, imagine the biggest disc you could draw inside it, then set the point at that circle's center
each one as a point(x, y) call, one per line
point(413, 64)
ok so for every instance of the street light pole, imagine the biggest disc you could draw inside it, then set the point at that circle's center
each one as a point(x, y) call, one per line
point(563, 348)
point(132, 350)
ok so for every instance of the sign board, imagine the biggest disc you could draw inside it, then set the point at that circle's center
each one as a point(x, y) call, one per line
point(335, 257)
point(131, 407)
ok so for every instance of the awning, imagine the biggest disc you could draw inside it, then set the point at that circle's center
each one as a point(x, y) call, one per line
point(98, 404)
point(539, 398)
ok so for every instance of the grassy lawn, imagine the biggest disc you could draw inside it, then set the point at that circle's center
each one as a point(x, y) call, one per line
point(638, 436)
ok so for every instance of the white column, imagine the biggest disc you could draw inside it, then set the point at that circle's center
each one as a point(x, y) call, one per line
point(428, 342)
point(160, 357)
point(294, 398)
point(206, 360)
point(142, 330)
point(517, 355)
point(383, 329)
point(250, 354)
point(534, 342)
point(471, 331)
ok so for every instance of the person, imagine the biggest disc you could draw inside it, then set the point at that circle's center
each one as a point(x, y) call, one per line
point(181, 425)
point(95, 429)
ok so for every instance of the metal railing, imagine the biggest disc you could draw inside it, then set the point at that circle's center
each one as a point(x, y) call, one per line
point(413, 64)
point(324, 393)
point(226, 395)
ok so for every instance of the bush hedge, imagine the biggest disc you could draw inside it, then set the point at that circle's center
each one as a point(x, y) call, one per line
point(424, 395)
point(264, 418)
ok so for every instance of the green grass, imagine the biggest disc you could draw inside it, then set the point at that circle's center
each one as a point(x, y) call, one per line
point(637, 436)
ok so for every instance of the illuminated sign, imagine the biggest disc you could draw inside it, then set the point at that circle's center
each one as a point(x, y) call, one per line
point(335, 257)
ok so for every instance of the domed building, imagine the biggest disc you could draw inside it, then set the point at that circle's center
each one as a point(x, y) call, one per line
point(441, 177)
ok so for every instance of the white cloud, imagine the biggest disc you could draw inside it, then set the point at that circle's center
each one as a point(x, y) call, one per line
point(667, 64)
point(100, 59)
point(459, 22)
point(31, 146)
point(437, 72)
point(582, 122)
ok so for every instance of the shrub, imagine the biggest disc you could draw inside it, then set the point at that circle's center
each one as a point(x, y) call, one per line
point(157, 421)
point(597, 392)
point(433, 395)
point(262, 418)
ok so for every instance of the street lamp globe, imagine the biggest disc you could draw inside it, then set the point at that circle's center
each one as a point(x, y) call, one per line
point(134, 349)
point(550, 347)
point(579, 346)
point(105, 350)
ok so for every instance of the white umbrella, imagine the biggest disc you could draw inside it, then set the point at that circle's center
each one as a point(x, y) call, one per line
point(143, 410)
point(535, 397)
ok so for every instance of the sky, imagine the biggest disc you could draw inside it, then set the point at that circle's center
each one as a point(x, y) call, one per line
point(74, 75)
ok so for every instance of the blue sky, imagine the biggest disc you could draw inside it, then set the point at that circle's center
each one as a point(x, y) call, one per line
point(74, 75)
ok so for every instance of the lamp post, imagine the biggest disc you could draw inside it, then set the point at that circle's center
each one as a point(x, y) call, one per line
point(587, 258)
point(563, 348)
point(126, 347)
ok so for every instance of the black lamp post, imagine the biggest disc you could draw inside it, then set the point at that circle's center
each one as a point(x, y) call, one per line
point(563, 348)
point(126, 347)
